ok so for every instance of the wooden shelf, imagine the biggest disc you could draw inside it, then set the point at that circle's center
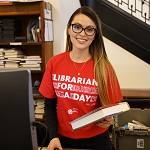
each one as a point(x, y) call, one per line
point(20, 43)
point(135, 93)
point(13, 8)
point(23, 12)
point(20, 13)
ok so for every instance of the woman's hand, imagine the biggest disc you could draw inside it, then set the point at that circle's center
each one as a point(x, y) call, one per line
point(105, 123)
point(54, 144)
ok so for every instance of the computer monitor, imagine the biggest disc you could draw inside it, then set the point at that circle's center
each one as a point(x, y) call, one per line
point(17, 111)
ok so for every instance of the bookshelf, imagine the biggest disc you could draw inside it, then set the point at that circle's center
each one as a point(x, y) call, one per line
point(24, 12)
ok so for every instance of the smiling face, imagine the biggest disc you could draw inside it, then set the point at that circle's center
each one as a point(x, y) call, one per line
point(81, 41)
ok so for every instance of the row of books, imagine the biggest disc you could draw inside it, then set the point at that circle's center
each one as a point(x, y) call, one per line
point(14, 58)
point(34, 30)
point(10, 30)
point(39, 108)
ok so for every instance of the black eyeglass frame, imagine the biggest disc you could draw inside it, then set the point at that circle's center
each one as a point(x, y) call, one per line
point(84, 29)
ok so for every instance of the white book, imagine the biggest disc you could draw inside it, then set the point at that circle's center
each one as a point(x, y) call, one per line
point(30, 65)
point(14, 56)
point(98, 114)
point(1, 49)
point(2, 66)
point(1, 53)
point(32, 57)
point(33, 61)
point(11, 65)
point(14, 53)
point(9, 50)
point(39, 116)
point(8, 60)
point(1, 57)
point(39, 110)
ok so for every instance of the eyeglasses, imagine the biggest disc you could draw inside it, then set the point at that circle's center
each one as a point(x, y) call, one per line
point(76, 28)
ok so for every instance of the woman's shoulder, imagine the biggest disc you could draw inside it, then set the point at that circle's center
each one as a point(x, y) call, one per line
point(59, 56)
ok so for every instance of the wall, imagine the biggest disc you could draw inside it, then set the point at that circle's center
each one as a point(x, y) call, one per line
point(131, 71)
point(62, 10)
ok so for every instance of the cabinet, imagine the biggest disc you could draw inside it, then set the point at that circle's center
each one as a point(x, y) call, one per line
point(24, 12)
point(137, 98)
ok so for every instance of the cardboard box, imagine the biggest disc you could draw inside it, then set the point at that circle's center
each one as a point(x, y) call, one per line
point(136, 139)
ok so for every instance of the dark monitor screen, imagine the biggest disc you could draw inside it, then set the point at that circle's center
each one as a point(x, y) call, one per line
point(17, 111)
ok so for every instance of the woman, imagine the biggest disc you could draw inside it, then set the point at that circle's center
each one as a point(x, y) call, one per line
point(78, 81)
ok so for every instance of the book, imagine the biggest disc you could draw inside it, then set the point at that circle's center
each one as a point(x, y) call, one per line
point(98, 114)
point(30, 65)
point(39, 110)
point(13, 53)
point(39, 116)
point(14, 56)
point(9, 50)
point(11, 65)
point(137, 125)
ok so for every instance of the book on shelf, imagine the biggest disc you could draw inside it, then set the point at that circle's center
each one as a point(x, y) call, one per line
point(39, 106)
point(1, 61)
point(13, 53)
point(30, 65)
point(32, 27)
point(98, 114)
point(1, 57)
point(1, 50)
point(2, 66)
point(10, 50)
point(32, 57)
point(39, 116)
point(1, 53)
point(11, 65)
point(39, 110)
point(30, 62)
point(39, 103)
point(11, 61)
point(14, 56)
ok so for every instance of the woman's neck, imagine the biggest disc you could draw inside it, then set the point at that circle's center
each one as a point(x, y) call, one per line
point(79, 56)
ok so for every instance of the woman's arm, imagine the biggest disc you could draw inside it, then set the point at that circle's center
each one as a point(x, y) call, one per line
point(51, 117)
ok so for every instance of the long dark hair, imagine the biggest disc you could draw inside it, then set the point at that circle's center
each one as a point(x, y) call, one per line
point(102, 68)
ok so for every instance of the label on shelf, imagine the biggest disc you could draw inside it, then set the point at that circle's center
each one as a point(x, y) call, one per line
point(16, 43)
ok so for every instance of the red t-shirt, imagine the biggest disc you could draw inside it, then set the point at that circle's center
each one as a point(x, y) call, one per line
point(76, 94)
